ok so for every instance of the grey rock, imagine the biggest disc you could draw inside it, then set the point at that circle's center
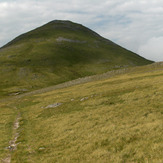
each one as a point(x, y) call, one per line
point(53, 105)
point(60, 39)
point(84, 98)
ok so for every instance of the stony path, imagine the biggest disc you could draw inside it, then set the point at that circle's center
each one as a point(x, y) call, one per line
point(12, 144)
point(7, 159)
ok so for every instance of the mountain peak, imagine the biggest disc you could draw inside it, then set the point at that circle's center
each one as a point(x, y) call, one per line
point(61, 22)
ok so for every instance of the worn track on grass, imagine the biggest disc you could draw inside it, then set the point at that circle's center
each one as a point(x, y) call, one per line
point(87, 79)
point(13, 143)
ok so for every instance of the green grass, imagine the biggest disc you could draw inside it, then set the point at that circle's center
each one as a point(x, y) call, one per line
point(119, 120)
point(36, 60)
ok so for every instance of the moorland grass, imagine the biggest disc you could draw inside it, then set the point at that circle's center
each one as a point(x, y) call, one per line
point(109, 120)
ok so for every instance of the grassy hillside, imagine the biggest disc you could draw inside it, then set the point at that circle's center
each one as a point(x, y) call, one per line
point(118, 119)
point(57, 52)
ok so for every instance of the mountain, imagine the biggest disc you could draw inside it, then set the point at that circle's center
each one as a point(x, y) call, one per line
point(56, 52)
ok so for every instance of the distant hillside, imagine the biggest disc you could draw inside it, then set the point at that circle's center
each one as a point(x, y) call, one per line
point(57, 52)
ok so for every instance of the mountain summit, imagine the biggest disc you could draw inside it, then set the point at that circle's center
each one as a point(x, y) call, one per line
point(56, 52)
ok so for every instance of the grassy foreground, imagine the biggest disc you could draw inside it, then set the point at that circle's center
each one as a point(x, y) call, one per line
point(119, 119)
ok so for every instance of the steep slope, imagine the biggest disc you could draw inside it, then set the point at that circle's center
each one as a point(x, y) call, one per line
point(118, 119)
point(57, 52)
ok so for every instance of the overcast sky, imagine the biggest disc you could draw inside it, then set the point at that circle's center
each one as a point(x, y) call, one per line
point(134, 24)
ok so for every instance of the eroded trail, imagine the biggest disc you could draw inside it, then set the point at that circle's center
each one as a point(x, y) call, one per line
point(13, 143)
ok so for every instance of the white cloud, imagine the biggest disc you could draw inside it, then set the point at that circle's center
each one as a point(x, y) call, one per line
point(130, 23)
point(153, 49)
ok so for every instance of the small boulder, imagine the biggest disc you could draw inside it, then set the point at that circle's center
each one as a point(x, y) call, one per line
point(84, 98)
point(53, 105)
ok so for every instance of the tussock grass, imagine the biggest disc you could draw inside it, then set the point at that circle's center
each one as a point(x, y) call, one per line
point(119, 119)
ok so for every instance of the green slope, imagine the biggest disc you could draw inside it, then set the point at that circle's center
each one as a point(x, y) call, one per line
point(118, 119)
point(57, 52)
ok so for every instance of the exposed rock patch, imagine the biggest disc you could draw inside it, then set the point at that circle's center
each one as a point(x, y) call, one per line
point(61, 39)
point(84, 98)
point(53, 105)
